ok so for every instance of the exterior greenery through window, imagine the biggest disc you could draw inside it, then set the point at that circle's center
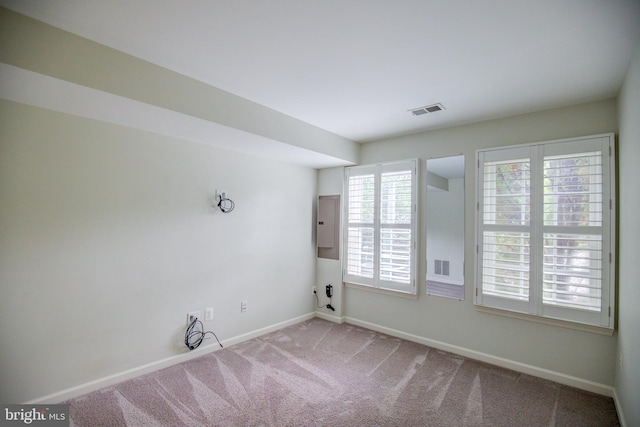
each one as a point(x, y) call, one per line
point(545, 230)
point(380, 227)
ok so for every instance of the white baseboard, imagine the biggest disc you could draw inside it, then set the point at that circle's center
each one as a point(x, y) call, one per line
point(329, 317)
point(618, 404)
point(268, 329)
point(524, 368)
point(90, 386)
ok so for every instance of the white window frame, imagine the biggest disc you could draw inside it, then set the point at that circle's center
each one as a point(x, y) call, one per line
point(535, 228)
point(372, 280)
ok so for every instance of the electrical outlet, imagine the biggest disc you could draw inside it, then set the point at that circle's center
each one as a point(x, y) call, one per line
point(313, 290)
point(208, 313)
point(243, 306)
point(192, 315)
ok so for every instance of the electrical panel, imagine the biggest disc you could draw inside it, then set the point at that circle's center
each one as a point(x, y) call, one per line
point(328, 226)
point(326, 222)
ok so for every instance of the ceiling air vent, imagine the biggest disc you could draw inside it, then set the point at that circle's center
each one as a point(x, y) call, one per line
point(426, 110)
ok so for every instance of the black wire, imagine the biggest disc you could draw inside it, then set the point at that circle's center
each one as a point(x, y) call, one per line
point(193, 338)
point(318, 302)
point(227, 206)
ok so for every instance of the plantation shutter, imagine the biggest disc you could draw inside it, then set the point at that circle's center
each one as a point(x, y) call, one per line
point(361, 245)
point(576, 227)
point(545, 229)
point(381, 226)
point(505, 208)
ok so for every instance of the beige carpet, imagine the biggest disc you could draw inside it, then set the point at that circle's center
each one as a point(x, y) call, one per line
point(319, 373)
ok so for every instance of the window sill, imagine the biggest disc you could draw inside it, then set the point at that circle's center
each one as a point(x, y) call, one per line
point(547, 321)
point(381, 291)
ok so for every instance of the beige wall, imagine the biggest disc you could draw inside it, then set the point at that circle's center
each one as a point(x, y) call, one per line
point(628, 374)
point(108, 239)
point(457, 325)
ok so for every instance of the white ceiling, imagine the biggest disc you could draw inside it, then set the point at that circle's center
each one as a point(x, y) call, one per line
point(354, 67)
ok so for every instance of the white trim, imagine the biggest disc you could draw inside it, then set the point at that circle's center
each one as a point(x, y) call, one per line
point(330, 317)
point(553, 141)
point(94, 385)
point(618, 404)
point(381, 290)
point(548, 320)
point(524, 368)
point(462, 351)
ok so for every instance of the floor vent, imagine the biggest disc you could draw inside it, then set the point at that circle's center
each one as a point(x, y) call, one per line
point(426, 110)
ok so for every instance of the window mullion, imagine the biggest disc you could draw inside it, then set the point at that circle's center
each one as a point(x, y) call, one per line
point(376, 224)
point(536, 237)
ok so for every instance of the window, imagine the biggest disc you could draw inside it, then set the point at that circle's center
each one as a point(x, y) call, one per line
point(545, 230)
point(380, 226)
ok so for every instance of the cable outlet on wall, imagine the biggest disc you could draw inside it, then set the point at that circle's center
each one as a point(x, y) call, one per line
point(243, 306)
point(192, 315)
point(208, 314)
point(218, 196)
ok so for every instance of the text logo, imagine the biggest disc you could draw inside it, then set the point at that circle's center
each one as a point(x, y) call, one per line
point(37, 415)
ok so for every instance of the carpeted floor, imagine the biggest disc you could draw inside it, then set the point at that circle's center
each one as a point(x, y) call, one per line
point(318, 373)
